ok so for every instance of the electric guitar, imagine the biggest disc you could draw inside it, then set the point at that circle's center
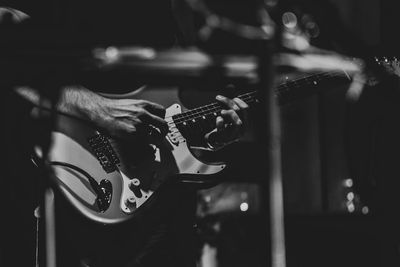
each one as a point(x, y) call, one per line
point(109, 181)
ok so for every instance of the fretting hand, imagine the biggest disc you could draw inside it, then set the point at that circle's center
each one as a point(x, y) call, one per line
point(229, 124)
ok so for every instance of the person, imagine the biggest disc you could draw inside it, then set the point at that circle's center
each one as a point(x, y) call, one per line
point(165, 234)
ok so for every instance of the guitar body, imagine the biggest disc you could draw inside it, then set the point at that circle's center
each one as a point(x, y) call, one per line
point(108, 180)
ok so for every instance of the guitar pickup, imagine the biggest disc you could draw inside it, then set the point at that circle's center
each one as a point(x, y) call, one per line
point(104, 152)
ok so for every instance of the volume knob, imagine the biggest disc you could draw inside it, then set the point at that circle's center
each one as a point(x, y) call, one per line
point(130, 201)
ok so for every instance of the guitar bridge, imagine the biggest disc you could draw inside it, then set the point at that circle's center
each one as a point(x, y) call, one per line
point(104, 152)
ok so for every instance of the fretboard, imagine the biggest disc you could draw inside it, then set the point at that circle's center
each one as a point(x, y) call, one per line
point(287, 90)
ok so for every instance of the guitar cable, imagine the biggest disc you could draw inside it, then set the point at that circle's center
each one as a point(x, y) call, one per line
point(92, 181)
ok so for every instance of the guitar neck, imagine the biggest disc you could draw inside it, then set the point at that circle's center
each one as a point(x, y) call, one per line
point(287, 90)
point(291, 90)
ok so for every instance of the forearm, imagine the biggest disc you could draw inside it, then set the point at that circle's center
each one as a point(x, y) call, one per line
point(80, 101)
point(73, 100)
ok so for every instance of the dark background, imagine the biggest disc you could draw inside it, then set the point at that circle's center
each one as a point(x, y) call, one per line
point(320, 230)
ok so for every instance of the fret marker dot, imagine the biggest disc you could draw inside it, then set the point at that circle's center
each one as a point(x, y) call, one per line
point(315, 82)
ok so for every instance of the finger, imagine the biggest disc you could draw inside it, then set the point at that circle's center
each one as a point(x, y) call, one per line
point(156, 121)
point(232, 116)
point(123, 129)
point(154, 108)
point(243, 113)
point(219, 123)
point(229, 103)
point(240, 103)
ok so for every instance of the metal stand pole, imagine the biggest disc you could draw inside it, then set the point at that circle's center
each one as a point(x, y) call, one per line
point(47, 201)
point(50, 227)
point(45, 213)
point(272, 130)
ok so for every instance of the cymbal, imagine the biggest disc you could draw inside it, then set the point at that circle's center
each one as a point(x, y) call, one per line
point(313, 62)
point(194, 63)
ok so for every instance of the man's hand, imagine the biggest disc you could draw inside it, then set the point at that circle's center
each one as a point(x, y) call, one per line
point(120, 117)
point(125, 117)
point(230, 124)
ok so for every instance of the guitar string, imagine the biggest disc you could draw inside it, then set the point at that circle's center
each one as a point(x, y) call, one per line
point(212, 108)
point(278, 89)
point(214, 111)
